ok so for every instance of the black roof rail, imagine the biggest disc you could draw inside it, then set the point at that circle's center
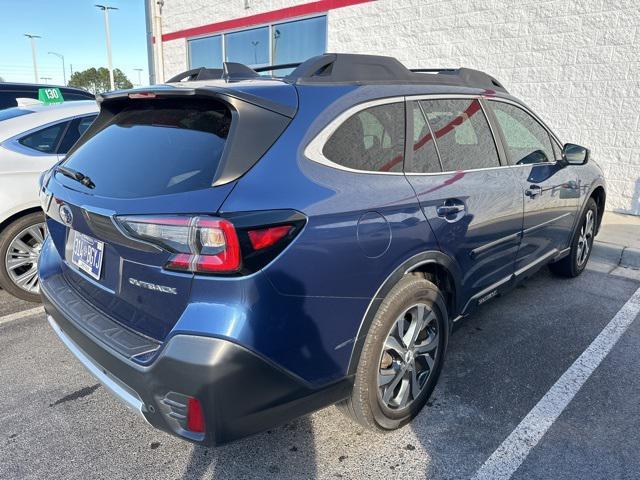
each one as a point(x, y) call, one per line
point(350, 68)
point(347, 68)
point(229, 71)
point(364, 69)
point(282, 66)
point(201, 73)
point(466, 76)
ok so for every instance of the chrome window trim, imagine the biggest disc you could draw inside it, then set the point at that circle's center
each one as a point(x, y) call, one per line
point(527, 110)
point(435, 144)
point(552, 136)
point(313, 150)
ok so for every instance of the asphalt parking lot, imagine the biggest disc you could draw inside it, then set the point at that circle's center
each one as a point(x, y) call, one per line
point(57, 422)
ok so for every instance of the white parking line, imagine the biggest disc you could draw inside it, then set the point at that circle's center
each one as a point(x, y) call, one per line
point(19, 315)
point(503, 463)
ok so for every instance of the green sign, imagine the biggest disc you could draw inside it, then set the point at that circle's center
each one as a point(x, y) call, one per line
point(50, 95)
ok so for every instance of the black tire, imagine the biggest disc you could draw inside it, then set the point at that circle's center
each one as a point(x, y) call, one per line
point(365, 405)
point(574, 264)
point(6, 237)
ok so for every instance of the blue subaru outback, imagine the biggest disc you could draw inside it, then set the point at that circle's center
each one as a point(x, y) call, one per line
point(232, 250)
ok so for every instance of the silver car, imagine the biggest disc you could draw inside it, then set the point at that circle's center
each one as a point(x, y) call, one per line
point(32, 139)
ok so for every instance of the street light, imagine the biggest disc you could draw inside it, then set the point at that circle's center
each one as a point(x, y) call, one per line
point(45, 79)
point(105, 9)
point(139, 70)
point(33, 54)
point(64, 71)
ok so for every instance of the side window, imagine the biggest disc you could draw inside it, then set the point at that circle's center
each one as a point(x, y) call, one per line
point(75, 130)
point(370, 140)
point(462, 134)
point(526, 140)
point(45, 140)
point(425, 156)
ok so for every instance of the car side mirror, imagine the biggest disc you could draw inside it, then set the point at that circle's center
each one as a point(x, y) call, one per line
point(573, 154)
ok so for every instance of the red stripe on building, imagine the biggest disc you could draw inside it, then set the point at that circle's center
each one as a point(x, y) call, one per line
point(320, 6)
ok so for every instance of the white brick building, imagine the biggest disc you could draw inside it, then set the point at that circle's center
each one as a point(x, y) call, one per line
point(575, 62)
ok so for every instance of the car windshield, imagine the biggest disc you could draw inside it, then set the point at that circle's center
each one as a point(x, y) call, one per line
point(13, 113)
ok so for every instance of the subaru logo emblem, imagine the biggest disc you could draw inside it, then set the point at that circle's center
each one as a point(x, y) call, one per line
point(66, 215)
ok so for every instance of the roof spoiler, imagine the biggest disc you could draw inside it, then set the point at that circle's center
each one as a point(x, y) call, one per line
point(171, 91)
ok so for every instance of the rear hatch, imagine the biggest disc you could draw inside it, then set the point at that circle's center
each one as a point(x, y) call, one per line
point(140, 191)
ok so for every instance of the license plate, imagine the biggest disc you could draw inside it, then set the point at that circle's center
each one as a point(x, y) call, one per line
point(86, 254)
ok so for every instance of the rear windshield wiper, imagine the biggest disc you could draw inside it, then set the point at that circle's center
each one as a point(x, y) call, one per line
point(76, 175)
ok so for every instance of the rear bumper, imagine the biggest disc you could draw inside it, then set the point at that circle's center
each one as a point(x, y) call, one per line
point(241, 392)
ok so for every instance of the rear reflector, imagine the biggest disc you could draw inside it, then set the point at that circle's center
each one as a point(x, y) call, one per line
point(266, 237)
point(195, 416)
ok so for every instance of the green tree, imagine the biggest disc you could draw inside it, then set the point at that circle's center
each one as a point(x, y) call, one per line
point(97, 80)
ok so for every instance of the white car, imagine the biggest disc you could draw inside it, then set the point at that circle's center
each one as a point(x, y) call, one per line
point(32, 139)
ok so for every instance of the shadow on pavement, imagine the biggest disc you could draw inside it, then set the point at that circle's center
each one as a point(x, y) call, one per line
point(285, 452)
point(504, 358)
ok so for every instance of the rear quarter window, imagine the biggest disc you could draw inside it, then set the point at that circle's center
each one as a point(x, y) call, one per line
point(45, 140)
point(370, 140)
point(154, 148)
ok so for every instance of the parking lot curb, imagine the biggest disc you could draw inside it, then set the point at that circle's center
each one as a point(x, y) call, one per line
point(630, 257)
point(617, 255)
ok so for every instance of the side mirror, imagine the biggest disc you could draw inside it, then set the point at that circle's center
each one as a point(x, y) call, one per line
point(573, 154)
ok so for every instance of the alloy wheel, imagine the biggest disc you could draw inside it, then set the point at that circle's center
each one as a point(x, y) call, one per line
point(408, 357)
point(21, 260)
point(585, 239)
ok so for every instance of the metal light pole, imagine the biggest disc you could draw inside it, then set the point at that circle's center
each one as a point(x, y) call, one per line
point(158, 36)
point(139, 70)
point(105, 9)
point(33, 54)
point(45, 79)
point(64, 70)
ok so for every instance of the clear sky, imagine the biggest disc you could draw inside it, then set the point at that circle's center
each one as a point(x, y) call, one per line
point(74, 28)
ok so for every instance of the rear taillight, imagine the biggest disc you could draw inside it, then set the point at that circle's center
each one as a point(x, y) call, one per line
point(198, 244)
point(266, 237)
point(240, 243)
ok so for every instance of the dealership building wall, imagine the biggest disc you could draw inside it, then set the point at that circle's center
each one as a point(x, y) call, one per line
point(574, 62)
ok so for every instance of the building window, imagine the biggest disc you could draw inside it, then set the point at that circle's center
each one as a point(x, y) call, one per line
point(296, 41)
point(250, 47)
point(279, 43)
point(205, 52)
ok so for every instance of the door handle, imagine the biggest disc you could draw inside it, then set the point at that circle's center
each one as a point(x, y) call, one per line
point(533, 191)
point(449, 209)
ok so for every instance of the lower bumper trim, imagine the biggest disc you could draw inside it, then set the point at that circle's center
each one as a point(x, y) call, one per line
point(130, 400)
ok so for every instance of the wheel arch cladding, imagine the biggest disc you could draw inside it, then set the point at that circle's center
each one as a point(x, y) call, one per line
point(600, 197)
point(437, 267)
point(18, 215)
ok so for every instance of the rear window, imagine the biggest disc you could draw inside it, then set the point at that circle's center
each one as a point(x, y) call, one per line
point(154, 147)
point(8, 98)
